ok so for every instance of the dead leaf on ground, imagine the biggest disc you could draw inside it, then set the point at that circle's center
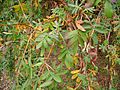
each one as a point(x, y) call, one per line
point(79, 26)
point(98, 20)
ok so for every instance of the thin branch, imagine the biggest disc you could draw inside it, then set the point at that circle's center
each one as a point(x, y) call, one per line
point(23, 12)
point(27, 44)
point(47, 65)
point(47, 58)
point(77, 86)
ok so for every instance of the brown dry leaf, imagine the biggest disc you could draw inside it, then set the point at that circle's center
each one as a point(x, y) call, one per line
point(79, 22)
point(115, 22)
point(1, 45)
point(98, 20)
point(88, 4)
point(79, 26)
point(69, 18)
point(82, 64)
point(92, 51)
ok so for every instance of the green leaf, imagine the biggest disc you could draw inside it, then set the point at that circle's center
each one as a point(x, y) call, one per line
point(50, 78)
point(56, 77)
point(45, 84)
point(26, 84)
point(49, 41)
point(118, 61)
point(87, 27)
point(83, 35)
point(68, 61)
point(72, 34)
point(87, 59)
point(39, 45)
point(81, 42)
point(75, 47)
point(73, 40)
point(113, 88)
point(108, 9)
point(63, 53)
point(76, 37)
point(95, 39)
point(106, 42)
point(38, 64)
point(44, 76)
point(45, 44)
point(37, 39)
point(63, 72)
point(42, 51)
point(100, 30)
point(97, 2)
point(83, 78)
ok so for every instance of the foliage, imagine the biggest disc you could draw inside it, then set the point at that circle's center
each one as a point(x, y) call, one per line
point(60, 44)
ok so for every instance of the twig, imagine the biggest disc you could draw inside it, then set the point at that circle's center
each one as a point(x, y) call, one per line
point(27, 44)
point(77, 86)
point(51, 49)
point(23, 11)
point(47, 58)
point(108, 37)
point(47, 65)
point(25, 52)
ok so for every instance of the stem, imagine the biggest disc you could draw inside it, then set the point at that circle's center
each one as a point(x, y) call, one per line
point(109, 76)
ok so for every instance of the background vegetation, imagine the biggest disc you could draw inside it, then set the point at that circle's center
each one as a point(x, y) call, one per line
point(59, 45)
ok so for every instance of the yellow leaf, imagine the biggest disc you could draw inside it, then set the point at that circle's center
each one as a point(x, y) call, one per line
point(36, 3)
point(75, 59)
point(78, 80)
point(46, 20)
point(17, 7)
point(75, 71)
point(91, 88)
point(93, 72)
point(69, 88)
point(1, 39)
point(74, 76)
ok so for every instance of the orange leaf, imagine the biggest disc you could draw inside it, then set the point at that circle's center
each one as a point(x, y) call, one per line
point(38, 28)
